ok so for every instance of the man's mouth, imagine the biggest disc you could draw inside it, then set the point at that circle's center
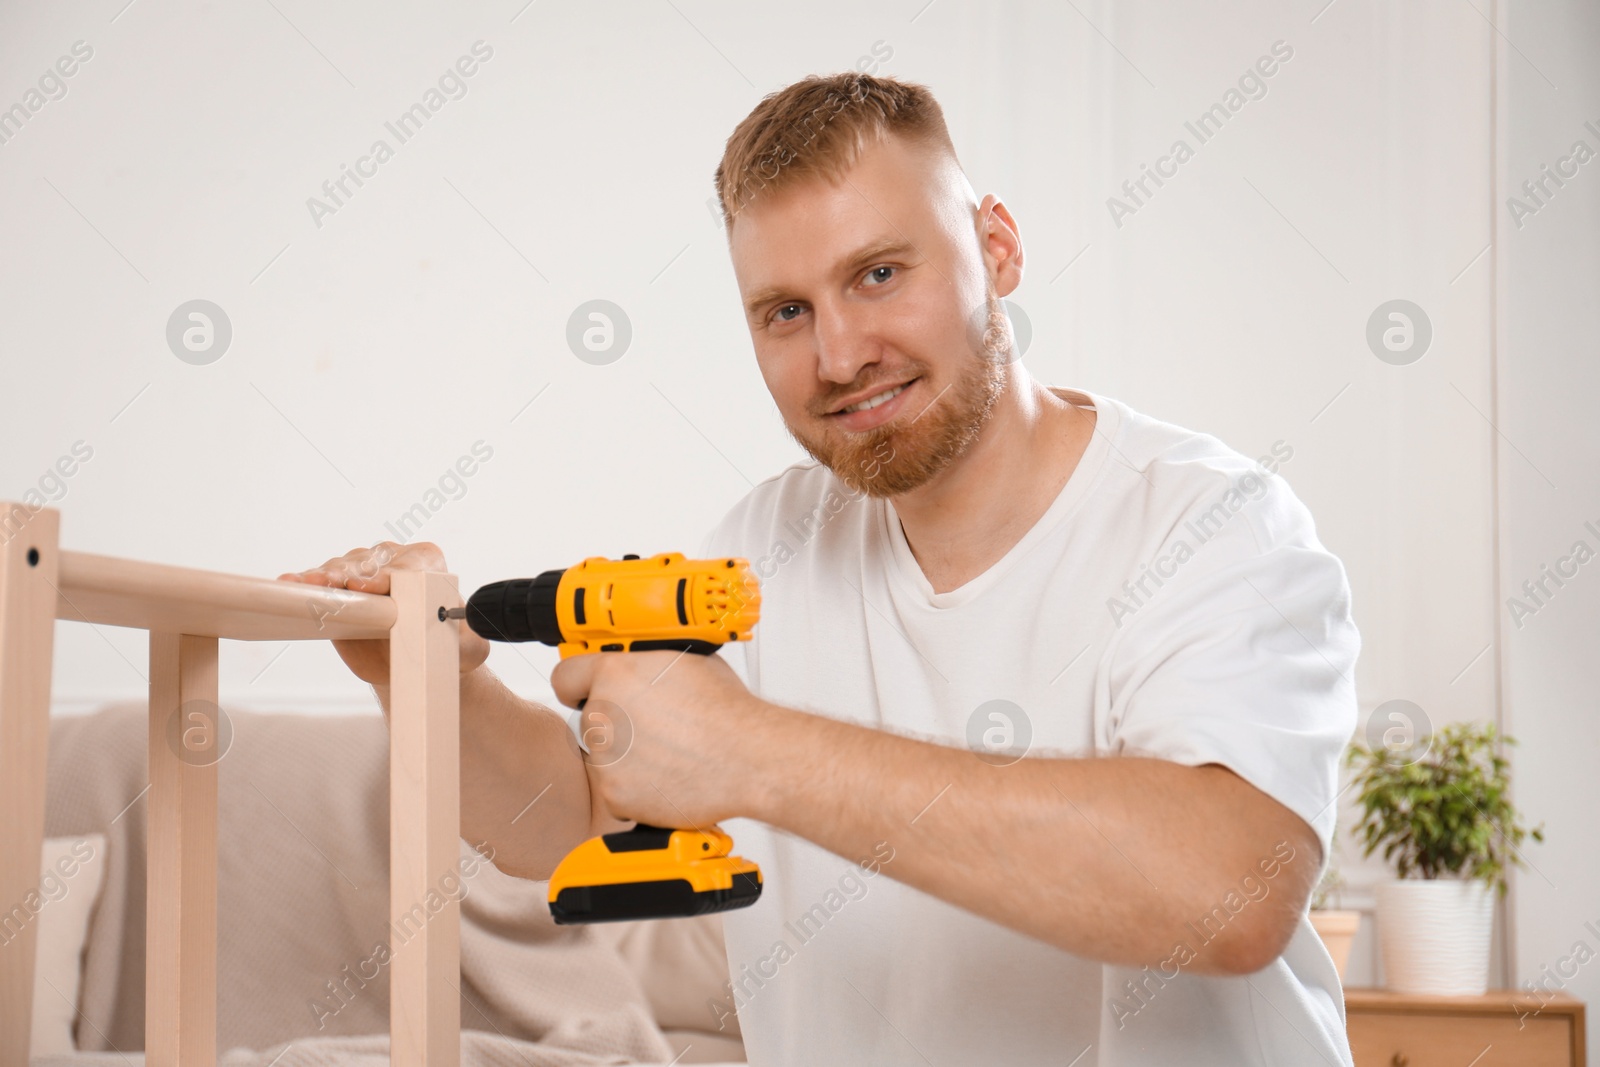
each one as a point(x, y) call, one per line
point(881, 407)
point(876, 400)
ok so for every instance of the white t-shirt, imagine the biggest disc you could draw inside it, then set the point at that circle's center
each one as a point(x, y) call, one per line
point(1231, 642)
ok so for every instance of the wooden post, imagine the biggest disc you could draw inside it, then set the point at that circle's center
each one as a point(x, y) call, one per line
point(28, 574)
point(424, 823)
point(180, 1006)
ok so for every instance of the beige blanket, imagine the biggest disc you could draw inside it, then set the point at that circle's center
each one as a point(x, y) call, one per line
point(303, 903)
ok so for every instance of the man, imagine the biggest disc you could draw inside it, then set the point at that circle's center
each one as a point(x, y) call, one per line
point(978, 592)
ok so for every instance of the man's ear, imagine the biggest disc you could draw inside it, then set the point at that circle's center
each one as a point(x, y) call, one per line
point(1001, 244)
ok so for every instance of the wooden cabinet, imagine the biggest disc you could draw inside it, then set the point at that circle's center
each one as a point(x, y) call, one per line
point(1500, 1029)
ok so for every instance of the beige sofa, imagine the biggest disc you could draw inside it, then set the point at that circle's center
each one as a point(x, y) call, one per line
point(303, 906)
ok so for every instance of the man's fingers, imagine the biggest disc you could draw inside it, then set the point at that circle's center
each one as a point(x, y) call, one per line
point(368, 576)
point(422, 556)
point(572, 678)
point(345, 572)
point(314, 576)
point(366, 570)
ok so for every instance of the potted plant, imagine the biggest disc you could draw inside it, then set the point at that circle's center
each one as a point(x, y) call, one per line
point(1440, 810)
point(1335, 926)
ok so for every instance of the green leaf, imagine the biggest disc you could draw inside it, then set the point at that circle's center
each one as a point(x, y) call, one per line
point(1441, 806)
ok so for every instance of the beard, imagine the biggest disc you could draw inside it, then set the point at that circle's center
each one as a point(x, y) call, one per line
point(909, 450)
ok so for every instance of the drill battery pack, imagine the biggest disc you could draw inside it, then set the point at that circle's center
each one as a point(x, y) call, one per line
point(651, 872)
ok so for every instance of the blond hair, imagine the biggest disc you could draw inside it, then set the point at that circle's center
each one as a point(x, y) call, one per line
point(818, 127)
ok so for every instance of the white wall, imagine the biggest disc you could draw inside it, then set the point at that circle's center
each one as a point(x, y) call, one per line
point(1549, 379)
point(371, 352)
point(1237, 300)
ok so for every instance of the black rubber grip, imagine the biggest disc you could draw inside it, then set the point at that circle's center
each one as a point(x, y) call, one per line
point(675, 644)
point(518, 609)
point(642, 838)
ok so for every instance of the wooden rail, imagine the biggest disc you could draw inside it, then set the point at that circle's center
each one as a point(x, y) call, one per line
point(187, 613)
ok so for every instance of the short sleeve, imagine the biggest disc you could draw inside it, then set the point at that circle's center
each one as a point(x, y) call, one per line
point(1247, 659)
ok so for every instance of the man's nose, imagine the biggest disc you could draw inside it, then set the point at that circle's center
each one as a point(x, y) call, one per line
point(844, 344)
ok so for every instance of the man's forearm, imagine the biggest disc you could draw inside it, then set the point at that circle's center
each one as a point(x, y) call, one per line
point(1111, 859)
point(524, 788)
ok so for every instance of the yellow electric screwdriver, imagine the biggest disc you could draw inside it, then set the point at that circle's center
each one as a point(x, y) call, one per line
point(632, 604)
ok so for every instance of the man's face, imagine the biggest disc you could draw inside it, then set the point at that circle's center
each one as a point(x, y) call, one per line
point(857, 288)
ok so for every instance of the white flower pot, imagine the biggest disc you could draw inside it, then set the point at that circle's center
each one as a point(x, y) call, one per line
point(1434, 936)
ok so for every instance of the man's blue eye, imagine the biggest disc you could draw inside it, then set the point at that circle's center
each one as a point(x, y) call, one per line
point(786, 308)
point(880, 274)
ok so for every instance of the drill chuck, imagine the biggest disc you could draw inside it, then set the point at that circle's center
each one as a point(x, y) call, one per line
point(518, 609)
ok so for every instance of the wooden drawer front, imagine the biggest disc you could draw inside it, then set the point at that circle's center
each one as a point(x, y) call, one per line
point(1384, 1039)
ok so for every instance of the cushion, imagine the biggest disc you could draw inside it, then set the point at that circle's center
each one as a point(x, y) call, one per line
point(70, 877)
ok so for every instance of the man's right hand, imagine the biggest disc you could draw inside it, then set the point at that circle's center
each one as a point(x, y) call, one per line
point(367, 570)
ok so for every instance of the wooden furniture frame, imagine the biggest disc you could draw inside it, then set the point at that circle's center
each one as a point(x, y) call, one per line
point(187, 612)
point(1502, 1028)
